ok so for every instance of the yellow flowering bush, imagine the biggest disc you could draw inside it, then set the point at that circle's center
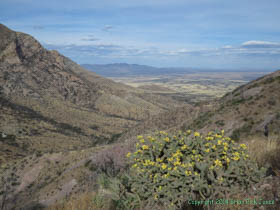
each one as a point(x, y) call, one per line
point(170, 169)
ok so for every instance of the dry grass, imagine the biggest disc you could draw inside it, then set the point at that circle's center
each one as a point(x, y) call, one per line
point(86, 201)
point(265, 151)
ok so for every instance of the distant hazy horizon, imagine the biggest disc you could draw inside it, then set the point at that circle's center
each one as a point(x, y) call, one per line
point(217, 34)
point(190, 67)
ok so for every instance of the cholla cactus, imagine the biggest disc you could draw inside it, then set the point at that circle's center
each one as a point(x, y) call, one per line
point(170, 169)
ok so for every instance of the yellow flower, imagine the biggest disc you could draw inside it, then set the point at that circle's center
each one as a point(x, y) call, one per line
point(209, 138)
point(243, 146)
point(134, 165)
point(177, 163)
point(188, 173)
point(166, 139)
point(227, 139)
point(163, 166)
point(184, 147)
point(236, 153)
point(139, 137)
point(221, 179)
point(144, 147)
point(225, 148)
point(155, 196)
point(170, 159)
point(218, 163)
point(228, 160)
point(151, 138)
point(196, 134)
point(163, 132)
point(214, 147)
point(193, 151)
point(142, 140)
point(189, 131)
point(236, 158)
point(218, 136)
point(225, 144)
point(219, 142)
point(166, 175)
point(207, 150)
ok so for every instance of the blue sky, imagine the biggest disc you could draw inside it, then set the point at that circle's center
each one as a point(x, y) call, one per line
point(240, 34)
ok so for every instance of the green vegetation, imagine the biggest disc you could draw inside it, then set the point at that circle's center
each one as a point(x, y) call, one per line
point(202, 119)
point(220, 123)
point(167, 170)
point(237, 101)
point(245, 129)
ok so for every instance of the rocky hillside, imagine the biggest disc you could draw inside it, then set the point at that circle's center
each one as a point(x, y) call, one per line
point(250, 110)
point(48, 103)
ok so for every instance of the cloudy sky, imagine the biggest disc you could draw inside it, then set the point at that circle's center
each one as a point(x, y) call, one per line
point(239, 34)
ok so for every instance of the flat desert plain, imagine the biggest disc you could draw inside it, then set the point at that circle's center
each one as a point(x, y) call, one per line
point(191, 87)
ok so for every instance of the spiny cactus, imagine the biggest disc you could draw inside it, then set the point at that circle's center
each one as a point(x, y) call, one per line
point(171, 169)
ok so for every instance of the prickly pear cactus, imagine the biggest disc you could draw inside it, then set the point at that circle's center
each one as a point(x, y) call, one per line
point(171, 169)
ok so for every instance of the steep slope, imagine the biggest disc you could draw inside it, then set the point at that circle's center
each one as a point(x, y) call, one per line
point(50, 104)
point(246, 111)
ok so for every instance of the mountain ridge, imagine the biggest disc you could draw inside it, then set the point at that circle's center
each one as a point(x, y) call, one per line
point(46, 97)
point(130, 70)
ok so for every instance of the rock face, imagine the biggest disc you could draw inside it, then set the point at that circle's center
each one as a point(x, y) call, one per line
point(49, 103)
point(36, 70)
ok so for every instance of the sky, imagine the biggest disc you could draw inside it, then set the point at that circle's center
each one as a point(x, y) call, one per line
point(221, 34)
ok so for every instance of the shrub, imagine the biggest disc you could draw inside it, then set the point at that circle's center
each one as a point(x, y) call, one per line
point(168, 170)
point(110, 160)
point(245, 129)
point(220, 122)
point(202, 119)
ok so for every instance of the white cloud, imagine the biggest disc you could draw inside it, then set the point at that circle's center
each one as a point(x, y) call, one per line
point(260, 44)
point(90, 39)
point(227, 47)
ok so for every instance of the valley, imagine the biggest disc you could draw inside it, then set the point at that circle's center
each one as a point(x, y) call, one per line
point(190, 87)
point(66, 132)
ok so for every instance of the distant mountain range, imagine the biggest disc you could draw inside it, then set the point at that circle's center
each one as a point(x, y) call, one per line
point(127, 70)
